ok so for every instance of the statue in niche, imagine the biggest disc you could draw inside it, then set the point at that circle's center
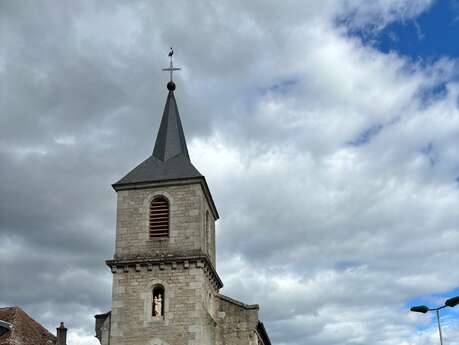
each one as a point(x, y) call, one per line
point(158, 301)
point(158, 305)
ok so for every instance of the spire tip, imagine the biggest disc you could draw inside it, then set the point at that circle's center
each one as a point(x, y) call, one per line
point(171, 86)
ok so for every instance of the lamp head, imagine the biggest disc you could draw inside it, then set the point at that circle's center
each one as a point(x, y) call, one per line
point(452, 302)
point(420, 309)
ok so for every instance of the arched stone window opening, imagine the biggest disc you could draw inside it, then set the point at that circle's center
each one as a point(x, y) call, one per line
point(159, 218)
point(158, 301)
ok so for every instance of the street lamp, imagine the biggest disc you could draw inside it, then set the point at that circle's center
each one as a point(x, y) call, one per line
point(451, 302)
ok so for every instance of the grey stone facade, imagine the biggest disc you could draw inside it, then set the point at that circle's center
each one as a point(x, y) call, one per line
point(188, 235)
point(182, 265)
point(194, 311)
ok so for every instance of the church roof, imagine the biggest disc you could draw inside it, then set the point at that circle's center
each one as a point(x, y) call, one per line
point(22, 329)
point(170, 159)
point(154, 170)
point(170, 141)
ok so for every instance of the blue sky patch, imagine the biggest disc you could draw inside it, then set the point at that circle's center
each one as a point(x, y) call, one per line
point(429, 152)
point(429, 36)
point(427, 95)
point(366, 135)
point(433, 301)
point(282, 87)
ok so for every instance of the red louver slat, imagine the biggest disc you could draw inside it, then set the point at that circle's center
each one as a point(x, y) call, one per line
point(159, 218)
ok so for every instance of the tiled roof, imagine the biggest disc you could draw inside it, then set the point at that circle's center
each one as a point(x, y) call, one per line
point(24, 330)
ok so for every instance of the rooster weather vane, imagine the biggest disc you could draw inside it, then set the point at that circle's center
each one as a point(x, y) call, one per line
point(171, 68)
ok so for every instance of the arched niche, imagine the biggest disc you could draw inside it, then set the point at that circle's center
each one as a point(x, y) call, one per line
point(158, 300)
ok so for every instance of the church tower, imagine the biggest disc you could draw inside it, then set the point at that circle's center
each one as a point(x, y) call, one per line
point(165, 283)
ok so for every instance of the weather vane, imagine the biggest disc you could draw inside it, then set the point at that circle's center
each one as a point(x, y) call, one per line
point(171, 68)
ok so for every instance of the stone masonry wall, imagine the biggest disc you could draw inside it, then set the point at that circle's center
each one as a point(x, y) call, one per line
point(187, 233)
point(236, 322)
point(186, 316)
point(209, 234)
point(103, 329)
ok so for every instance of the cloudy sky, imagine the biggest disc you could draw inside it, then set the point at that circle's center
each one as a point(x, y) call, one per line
point(328, 132)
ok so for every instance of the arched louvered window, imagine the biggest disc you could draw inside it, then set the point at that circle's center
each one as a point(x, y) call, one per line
point(159, 218)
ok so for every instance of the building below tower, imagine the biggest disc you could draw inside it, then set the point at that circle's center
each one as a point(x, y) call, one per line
point(18, 328)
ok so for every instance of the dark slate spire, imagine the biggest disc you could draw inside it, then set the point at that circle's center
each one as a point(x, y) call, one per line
point(170, 159)
point(170, 141)
point(170, 162)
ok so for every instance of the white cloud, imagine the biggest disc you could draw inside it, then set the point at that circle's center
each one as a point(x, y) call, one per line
point(80, 337)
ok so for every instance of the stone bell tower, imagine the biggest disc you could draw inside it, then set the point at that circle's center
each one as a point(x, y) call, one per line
point(165, 285)
point(164, 277)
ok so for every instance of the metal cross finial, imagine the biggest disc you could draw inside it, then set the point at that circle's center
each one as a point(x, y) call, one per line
point(171, 68)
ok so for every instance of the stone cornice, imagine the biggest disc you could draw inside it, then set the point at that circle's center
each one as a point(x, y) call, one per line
point(165, 262)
